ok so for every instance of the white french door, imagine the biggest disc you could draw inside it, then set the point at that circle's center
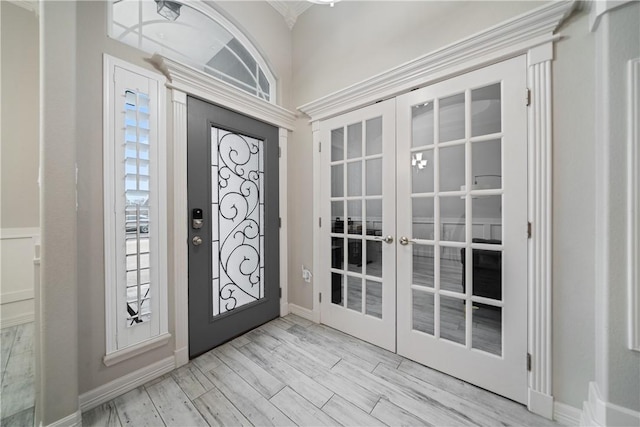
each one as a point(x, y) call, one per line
point(461, 225)
point(449, 250)
point(357, 247)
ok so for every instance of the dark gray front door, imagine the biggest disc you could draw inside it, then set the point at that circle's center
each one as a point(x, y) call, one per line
point(233, 224)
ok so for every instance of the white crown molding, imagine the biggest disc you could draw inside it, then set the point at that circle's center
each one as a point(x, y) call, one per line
point(510, 38)
point(290, 10)
point(192, 81)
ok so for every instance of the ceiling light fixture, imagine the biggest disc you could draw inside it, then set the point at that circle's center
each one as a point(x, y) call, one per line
point(168, 9)
point(329, 2)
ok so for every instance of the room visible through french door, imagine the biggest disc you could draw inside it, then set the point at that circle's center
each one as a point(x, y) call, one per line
point(233, 224)
point(426, 251)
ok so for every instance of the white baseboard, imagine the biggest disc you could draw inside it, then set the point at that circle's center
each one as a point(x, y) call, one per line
point(566, 415)
point(115, 388)
point(597, 412)
point(17, 320)
point(284, 308)
point(540, 403)
point(19, 233)
point(301, 311)
point(73, 420)
point(182, 356)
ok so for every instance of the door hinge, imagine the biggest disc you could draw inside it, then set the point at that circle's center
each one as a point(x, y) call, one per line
point(279, 152)
point(528, 97)
point(528, 230)
point(280, 289)
point(320, 297)
point(319, 147)
point(528, 362)
point(279, 222)
point(320, 222)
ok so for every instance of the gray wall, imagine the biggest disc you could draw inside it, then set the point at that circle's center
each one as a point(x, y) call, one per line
point(620, 37)
point(19, 143)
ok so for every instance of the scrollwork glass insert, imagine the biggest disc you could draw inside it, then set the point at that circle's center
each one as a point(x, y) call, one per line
point(237, 211)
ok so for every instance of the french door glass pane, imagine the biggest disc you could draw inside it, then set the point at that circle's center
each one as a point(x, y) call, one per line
point(422, 124)
point(354, 255)
point(374, 299)
point(374, 258)
point(337, 180)
point(486, 164)
point(354, 217)
point(452, 168)
point(337, 217)
point(354, 141)
point(422, 311)
point(486, 332)
point(237, 220)
point(354, 179)
point(452, 118)
point(374, 177)
point(486, 110)
point(452, 218)
point(423, 220)
point(374, 136)
point(421, 171)
point(337, 288)
point(374, 217)
point(423, 265)
point(452, 272)
point(452, 319)
point(337, 144)
point(354, 293)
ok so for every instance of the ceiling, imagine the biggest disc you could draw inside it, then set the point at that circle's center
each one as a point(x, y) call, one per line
point(290, 9)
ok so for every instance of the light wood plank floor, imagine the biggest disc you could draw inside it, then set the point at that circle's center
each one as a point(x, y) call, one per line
point(17, 395)
point(293, 372)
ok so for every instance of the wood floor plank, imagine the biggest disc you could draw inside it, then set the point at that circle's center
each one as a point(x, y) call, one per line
point(261, 380)
point(217, 410)
point(191, 380)
point(441, 402)
point(173, 405)
point(301, 411)
point(297, 320)
point(104, 415)
point(257, 409)
point(296, 380)
point(419, 404)
point(7, 337)
point(240, 341)
point(18, 394)
point(393, 415)
point(21, 419)
point(361, 397)
point(361, 348)
point(322, 354)
point(510, 411)
point(135, 408)
point(262, 337)
point(301, 359)
point(207, 361)
point(349, 415)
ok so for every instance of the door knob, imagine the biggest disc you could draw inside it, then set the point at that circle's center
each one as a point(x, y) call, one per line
point(197, 240)
point(404, 240)
point(388, 239)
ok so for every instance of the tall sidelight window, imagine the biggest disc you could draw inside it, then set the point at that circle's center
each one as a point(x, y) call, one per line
point(135, 206)
point(195, 34)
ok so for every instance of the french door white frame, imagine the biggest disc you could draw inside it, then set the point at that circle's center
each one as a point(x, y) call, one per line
point(184, 80)
point(532, 34)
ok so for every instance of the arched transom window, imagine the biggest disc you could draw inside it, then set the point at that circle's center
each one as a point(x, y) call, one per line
point(194, 33)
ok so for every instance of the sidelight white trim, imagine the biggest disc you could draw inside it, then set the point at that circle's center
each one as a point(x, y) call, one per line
point(284, 228)
point(533, 34)
point(180, 232)
point(633, 200)
point(508, 39)
point(317, 191)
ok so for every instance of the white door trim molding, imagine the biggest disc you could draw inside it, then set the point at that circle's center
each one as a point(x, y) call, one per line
point(533, 34)
point(183, 81)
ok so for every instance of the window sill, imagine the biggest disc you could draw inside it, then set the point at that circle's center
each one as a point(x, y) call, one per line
point(135, 350)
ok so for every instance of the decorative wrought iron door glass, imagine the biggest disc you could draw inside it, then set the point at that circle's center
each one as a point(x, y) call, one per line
point(237, 182)
point(136, 161)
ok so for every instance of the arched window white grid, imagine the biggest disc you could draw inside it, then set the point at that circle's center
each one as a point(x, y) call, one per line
point(200, 37)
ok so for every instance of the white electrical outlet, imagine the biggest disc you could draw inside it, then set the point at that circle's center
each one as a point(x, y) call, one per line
point(306, 274)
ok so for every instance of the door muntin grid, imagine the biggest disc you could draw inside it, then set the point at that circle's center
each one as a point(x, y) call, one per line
point(237, 229)
point(356, 217)
point(456, 202)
